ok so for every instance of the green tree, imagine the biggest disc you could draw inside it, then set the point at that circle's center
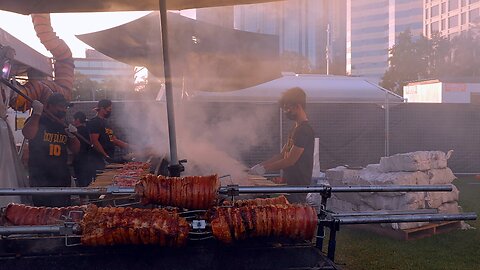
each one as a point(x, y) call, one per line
point(416, 59)
point(465, 56)
point(433, 58)
point(439, 56)
point(408, 62)
point(83, 87)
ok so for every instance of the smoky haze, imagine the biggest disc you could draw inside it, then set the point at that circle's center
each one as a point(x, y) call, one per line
point(211, 136)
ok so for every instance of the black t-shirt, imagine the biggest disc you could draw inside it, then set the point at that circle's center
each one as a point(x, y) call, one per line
point(84, 147)
point(100, 126)
point(301, 172)
point(48, 149)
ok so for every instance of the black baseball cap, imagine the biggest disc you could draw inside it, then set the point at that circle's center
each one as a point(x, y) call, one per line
point(58, 99)
point(80, 116)
point(104, 103)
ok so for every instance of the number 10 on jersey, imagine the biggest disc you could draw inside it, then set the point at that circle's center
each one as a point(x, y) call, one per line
point(55, 150)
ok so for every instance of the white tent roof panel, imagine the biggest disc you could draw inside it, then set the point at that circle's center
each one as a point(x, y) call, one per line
point(319, 89)
point(25, 55)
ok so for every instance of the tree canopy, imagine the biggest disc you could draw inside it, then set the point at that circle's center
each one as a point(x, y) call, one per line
point(420, 58)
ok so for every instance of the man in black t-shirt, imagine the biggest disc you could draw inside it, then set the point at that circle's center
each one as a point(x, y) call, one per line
point(48, 143)
point(296, 158)
point(102, 137)
point(81, 165)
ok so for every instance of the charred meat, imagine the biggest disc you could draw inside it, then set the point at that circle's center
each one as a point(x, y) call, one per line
point(20, 214)
point(229, 224)
point(106, 226)
point(191, 192)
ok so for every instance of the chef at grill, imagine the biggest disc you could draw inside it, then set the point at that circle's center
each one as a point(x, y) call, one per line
point(296, 158)
point(102, 136)
point(48, 143)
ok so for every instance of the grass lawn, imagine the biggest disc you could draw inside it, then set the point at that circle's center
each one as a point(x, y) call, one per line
point(454, 250)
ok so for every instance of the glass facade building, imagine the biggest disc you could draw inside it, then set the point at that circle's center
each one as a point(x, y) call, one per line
point(99, 67)
point(301, 26)
point(450, 17)
point(372, 27)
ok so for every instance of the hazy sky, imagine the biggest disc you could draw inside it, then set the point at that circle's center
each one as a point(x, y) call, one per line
point(67, 25)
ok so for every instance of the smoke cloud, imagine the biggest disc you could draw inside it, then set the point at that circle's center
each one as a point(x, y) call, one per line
point(212, 136)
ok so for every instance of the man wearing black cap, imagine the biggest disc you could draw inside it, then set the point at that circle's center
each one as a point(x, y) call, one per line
point(81, 163)
point(48, 143)
point(102, 136)
point(296, 158)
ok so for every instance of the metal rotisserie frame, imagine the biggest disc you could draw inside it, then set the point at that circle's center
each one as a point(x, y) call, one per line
point(56, 249)
point(51, 253)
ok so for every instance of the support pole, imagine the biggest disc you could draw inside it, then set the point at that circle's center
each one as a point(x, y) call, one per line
point(175, 167)
point(332, 240)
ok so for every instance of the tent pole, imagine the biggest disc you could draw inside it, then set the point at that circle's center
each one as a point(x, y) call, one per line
point(175, 167)
point(387, 124)
point(281, 128)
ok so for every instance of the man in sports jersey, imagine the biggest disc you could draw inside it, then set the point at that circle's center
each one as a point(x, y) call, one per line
point(296, 158)
point(48, 143)
point(102, 137)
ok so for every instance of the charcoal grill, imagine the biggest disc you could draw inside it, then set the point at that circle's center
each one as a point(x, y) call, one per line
point(52, 247)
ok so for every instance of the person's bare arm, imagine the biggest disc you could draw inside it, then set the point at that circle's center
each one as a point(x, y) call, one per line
point(120, 143)
point(96, 144)
point(74, 144)
point(288, 160)
point(31, 127)
point(275, 158)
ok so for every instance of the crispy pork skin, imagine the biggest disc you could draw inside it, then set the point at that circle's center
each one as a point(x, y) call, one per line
point(20, 214)
point(191, 192)
point(107, 226)
point(258, 201)
point(294, 221)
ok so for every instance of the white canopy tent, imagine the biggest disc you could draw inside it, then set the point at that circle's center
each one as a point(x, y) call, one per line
point(319, 89)
point(25, 56)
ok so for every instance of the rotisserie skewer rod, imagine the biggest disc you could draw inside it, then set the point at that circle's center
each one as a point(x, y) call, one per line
point(40, 229)
point(75, 230)
point(407, 218)
point(385, 212)
point(339, 189)
point(65, 191)
point(226, 190)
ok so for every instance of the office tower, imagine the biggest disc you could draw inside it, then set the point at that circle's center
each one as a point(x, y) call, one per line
point(450, 17)
point(372, 27)
point(302, 28)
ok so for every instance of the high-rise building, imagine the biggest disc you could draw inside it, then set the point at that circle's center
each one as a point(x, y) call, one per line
point(103, 69)
point(372, 27)
point(450, 17)
point(99, 67)
point(302, 28)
